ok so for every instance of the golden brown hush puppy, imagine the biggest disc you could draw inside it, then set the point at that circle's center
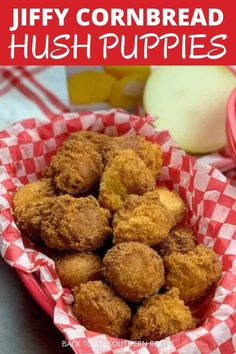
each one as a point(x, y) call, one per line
point(161, 316)
point(180, 239)
point(134, 270)
point(173, 202)
point(27, 204)
point(99, 141)
point(125, 174)
point(192, 273)
point(78, 224)
point(150, 153)
point(76, 167)
point(100, 309)
point(142, 218)
point(77, 268)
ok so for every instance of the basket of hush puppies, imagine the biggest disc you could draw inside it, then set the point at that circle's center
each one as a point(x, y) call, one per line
point(131, 240)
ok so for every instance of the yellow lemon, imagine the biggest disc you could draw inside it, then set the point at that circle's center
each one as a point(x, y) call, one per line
point(90, 87)
point(122, 71)
point(127, 92)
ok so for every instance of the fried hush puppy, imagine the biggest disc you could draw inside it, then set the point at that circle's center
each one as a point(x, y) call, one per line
point(143, 219)
point(77, 268)
point(124, 174)
point(150, 153)
point(161, 316)
point(180, 239)
point(78, 224)
point(99, 309)
point(125, 169)
point(192, 273)
point(76, 167)
point(99, 141)
point(134, 270)
point(27, 205)
point(173, 202)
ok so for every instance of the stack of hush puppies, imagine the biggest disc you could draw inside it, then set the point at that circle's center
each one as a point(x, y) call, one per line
point(132, 269)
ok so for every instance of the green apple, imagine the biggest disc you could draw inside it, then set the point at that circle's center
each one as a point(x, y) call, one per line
point(191, 102)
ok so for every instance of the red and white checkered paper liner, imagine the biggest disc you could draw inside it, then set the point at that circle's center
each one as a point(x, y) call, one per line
point(25, 150)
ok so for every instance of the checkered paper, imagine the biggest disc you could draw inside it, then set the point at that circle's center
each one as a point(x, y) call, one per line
point(223, 162)
point(26, 149)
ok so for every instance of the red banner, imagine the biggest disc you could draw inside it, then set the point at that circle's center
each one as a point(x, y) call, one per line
point(150, 32)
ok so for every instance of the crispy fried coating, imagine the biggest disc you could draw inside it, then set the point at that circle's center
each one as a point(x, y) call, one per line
point(76, 167)
point(192, 273)
point(77, 268)
point(161, 316)
point(78, 224)
point(27, 204)
point(150, 153)
point(99, 141)
point(180, 239)
point(124, 174)
point(173, 202)
point(134, 270)
point(143, 219)
point(100, 309)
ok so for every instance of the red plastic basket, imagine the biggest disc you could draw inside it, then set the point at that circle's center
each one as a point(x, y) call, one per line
point(32, 285)
point(25, 150)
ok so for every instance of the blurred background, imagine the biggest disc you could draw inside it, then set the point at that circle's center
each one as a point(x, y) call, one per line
point(191, 102)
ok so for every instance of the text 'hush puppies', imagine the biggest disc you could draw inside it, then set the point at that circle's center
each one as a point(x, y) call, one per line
point(192, 273)
point(134, 270)
point(78, 224)
point(100, 309)
point(160, 316)
point(125, 174)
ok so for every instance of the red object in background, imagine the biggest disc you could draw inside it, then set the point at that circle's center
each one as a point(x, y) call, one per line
point(231, 125)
